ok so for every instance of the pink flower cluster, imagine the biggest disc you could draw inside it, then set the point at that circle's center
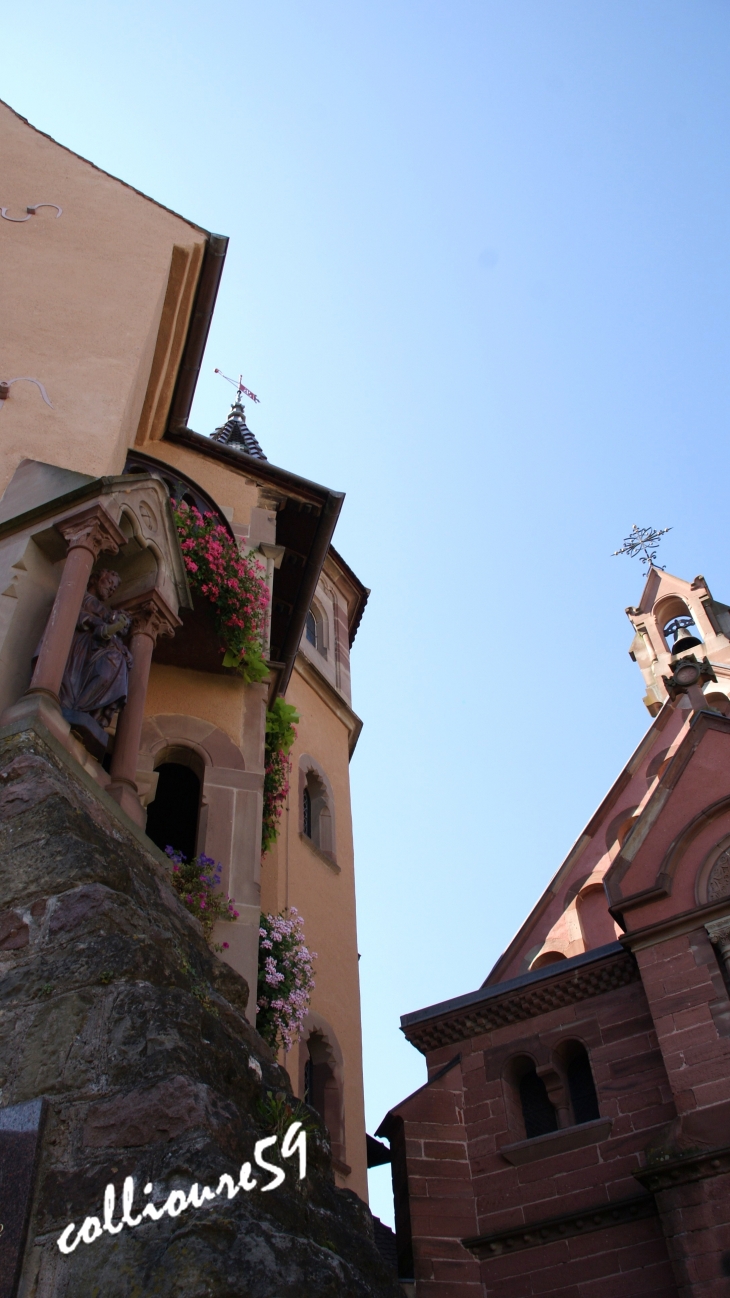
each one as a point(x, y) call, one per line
point(285, 978)
point(235, 584)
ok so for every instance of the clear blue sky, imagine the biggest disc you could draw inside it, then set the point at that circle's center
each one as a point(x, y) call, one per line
point(479, 277)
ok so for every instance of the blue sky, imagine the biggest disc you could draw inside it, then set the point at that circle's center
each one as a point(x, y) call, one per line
point(478, 276)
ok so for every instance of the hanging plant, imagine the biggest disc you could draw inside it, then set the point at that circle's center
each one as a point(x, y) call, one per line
point(195, 883)
point(281, 721)
point(233, 583)
point(285, 981)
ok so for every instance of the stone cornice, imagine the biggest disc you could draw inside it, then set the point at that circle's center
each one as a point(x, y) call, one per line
point(675, 925)
point(566, 983)
point(568, 1223)
point(690, 1167)
point(331, 697)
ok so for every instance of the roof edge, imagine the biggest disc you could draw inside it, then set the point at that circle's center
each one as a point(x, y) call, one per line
point(194, 225)
point(495, 990)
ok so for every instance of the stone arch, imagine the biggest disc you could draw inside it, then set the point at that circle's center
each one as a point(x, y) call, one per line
point(530, 1111)
point(574, 1061)
point(713, 876)
point(315, 790)
point(669, 607)
point(229, 827)
point(684, 840)
point(547, 957)
point(317, 629)
point(321, 1053)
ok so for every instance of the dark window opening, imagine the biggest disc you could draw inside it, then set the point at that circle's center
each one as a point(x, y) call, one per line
point(307, 800)
point(172, 819)
point(309, 1082)
point(582, 1087)
point(311, 629)
point(537, 1111)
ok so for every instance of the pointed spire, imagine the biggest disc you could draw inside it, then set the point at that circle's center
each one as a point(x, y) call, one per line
point(236, 433)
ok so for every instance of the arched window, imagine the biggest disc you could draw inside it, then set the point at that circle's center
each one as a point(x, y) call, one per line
point(316, 629)
point(316, 813)
point(172, 818)
point(538, 1114)
point(322, 1089)
point(581, 1087)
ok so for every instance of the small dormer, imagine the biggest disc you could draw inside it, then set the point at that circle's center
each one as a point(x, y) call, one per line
point(676, 617)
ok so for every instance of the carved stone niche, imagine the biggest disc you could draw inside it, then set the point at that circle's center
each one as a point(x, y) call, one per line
point(713, 879)
point(56, 528)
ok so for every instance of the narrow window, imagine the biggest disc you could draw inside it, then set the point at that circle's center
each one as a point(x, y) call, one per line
point(581, 1086)
point(537, 1111)
point(311, 628)
point(309, 1081)
point(307, 800)
point(172, 819)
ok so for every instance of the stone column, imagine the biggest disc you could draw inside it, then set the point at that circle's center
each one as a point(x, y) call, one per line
point(88, 534)
point(150, 617)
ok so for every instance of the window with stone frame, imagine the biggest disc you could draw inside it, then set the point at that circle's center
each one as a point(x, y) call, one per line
point(316, 629)
point(529, 1110)
point(317, 813)
point(576, 1068)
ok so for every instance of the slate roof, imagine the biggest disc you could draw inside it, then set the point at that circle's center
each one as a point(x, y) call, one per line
point(236, 433)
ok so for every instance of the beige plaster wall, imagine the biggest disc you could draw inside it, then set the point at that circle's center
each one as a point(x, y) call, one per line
point(294, 873)
point(229, 489)
point(85, 293)
point(218, 699)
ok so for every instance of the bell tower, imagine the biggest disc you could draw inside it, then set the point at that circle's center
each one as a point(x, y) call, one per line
point(676, 619)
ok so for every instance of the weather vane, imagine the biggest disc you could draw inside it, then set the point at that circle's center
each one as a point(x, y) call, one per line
point(643, 541)
point(239, 386)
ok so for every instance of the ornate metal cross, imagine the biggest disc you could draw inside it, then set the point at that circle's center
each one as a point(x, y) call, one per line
point(644, 542)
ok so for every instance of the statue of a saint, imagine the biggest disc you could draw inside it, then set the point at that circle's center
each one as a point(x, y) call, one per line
point(95, 679)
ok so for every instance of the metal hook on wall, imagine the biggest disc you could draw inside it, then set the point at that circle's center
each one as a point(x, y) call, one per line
point(18, 220)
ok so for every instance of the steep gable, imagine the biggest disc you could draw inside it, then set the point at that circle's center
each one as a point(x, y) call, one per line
point(88, 266)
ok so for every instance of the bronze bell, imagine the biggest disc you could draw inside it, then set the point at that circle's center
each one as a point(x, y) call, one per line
point(684, 640)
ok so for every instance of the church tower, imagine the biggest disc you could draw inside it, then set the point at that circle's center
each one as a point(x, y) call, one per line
point(675, 618)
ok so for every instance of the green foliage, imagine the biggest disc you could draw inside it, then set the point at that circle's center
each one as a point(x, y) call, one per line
point(281, 722)
point(196, 883)
point(277, 1111)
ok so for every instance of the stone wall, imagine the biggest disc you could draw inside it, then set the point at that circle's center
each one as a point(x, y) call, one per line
point(113, 1008)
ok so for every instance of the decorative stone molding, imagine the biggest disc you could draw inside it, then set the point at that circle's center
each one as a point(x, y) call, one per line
point(718, 883)
point(690, 1167)
point(548, 992)
point(569, 1223)
point(718, 931)
point(151, 616)
point(557, 1142)
point(93, 530)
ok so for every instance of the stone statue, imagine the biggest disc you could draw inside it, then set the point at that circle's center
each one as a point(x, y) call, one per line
point(95, 679)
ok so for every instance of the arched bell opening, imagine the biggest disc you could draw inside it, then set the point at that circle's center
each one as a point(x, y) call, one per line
point(678, 627)
point(173, 817)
